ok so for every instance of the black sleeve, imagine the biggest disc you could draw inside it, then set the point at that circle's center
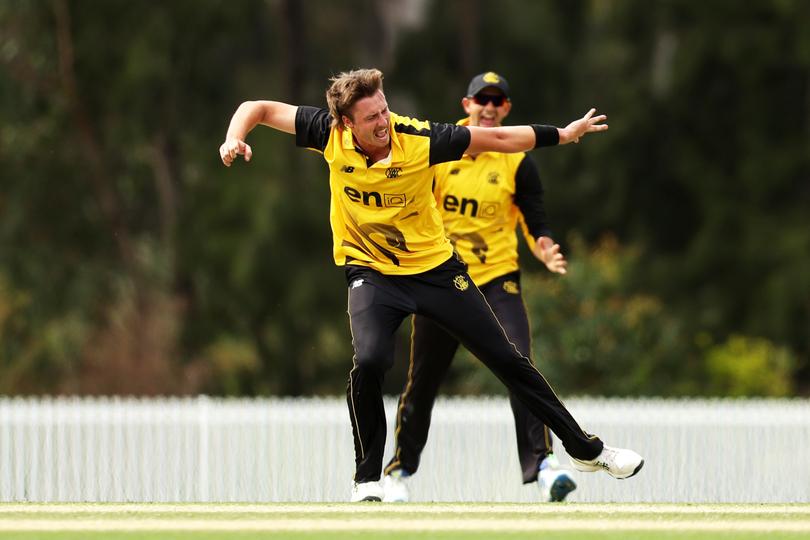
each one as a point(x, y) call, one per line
point(312, 127)
point(447, 142)
point(529, 198)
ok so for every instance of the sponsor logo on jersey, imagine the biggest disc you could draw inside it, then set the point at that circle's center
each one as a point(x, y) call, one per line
point(461, 282)
point(492, 177)
point(375, 198)
point(470, 207)
point(393, 172)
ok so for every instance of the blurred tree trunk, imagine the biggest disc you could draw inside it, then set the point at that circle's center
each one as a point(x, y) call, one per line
point(132, 358)
point(294, 44)
point(99, 175)
point(469, 34)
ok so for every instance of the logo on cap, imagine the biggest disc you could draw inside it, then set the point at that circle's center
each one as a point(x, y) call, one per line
point(491, 77)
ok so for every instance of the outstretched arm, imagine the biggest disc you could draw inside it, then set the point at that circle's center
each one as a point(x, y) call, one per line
point(522, 138)
point(250, 114)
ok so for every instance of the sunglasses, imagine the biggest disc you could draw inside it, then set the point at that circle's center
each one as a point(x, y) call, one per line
point(484, 99)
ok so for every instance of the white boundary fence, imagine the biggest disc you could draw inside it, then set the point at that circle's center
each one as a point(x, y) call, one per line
point(203, 449)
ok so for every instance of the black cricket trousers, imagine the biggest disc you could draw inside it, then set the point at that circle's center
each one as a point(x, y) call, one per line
point(432, 352)
point(377, 305)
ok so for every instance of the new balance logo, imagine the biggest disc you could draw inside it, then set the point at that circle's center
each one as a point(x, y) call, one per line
point(348, 169)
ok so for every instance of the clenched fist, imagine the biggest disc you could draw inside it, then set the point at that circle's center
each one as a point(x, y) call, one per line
point(232, 148)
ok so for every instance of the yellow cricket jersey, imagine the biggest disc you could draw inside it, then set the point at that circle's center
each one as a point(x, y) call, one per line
point(480, 200)
point(384, 216)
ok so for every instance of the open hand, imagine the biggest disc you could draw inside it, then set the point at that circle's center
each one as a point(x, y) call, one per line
point(587, 124)
point(549, 254)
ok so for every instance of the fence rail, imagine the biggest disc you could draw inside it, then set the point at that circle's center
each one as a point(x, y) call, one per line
point(202, 449)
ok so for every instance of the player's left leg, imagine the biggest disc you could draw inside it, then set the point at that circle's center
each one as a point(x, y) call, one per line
point(534, 439)
point(447, 295)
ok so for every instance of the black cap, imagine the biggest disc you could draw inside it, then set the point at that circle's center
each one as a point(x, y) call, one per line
point(484, 80)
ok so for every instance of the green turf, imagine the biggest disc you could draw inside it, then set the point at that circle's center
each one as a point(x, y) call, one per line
point(346, 521)
point(418, 535)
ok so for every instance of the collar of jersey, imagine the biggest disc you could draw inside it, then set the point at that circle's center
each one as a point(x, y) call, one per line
point(397, 153)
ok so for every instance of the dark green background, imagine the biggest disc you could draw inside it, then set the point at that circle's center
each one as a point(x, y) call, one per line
point(133, 262)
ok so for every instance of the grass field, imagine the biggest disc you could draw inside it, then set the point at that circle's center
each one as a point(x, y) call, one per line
point(374, 520)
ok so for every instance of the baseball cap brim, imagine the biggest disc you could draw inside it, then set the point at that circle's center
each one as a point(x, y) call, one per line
point(490, 79)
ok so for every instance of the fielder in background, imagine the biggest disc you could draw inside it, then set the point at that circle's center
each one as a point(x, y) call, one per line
point(389, 236)
point(482, 199)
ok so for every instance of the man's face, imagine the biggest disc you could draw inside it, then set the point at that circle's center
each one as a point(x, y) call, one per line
point(370, 122)
point(487, 108)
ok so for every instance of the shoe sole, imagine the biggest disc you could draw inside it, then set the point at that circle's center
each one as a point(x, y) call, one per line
point(635, 472)
point(561, 487)
point(581, 467)
point(370, 498)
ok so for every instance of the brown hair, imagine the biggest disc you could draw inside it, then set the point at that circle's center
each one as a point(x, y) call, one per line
point(348, 88)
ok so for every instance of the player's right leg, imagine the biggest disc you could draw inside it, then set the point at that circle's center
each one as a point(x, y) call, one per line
point(376, 308)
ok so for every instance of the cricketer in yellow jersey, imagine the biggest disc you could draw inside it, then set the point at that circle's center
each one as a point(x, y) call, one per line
point(482, 198)
point(388, 234)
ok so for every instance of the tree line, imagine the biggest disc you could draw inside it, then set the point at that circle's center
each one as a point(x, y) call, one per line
point(132, 262)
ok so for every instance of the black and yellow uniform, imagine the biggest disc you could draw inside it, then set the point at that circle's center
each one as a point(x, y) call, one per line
point(482, 201)
point(389, 235)
point(382, 215)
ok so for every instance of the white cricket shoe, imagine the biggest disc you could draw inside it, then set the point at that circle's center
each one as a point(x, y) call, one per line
point(617, 462)
point(395, 486)
point(367, 491)
point(555, 483)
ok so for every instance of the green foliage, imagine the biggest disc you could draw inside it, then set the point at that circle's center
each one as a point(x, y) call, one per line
point(744, 366)
point(592, 335)
point(132, 261)
point(34, 357)
point(230, 360)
